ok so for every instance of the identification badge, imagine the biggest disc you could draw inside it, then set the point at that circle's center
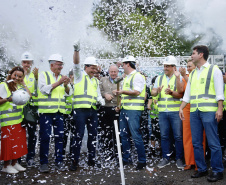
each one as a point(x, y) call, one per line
point(31, 79)
point(202, 80)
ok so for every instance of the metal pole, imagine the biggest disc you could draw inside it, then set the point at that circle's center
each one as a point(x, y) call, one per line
point(119, 152)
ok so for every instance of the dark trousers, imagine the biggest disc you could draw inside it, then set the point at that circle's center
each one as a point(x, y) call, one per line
point(47, 120)
point(82, 117)
point(144, 128)
point(31, 140)
point(68, 118)
point(107, 141)
point(222, 132)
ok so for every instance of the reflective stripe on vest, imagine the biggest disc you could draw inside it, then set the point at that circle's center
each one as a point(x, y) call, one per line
point(10, 114)
point(85, 93)
point(53, 102)
point(166, 101)
point(132, 102)
point(202, 91)
point(224, 97)
point(32, 85)
point(68, 105)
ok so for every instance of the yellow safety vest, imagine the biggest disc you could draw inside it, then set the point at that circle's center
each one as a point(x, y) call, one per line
point(224, 97)
point(53, 102)
point(166, 101)
point(10, 114)
point(69, 100)
point(85, 93)
point(32, 85)
point(132, 102)
point(203, 94)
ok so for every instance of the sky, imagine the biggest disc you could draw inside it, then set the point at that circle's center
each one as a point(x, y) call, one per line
point(52, 26)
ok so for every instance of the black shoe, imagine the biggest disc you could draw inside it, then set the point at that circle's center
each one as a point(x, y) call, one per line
point(215, 176)
point(140, 166)
point(91, 163)
point(200, 174)
point(73, 166)
point(125, 163)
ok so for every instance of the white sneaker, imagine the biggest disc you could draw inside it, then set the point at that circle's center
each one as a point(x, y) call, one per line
point(9, 169)
point(18, 167)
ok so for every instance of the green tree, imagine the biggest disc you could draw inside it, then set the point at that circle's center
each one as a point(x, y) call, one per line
point(141, 28)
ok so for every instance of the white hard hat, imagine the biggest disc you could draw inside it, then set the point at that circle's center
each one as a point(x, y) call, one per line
point(129, 59)
point(56, 57)
point(26, 56)
point(170, 60)
point(20, 97)
point(90, 61)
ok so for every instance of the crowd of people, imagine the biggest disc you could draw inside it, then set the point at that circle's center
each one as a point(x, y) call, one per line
point(185, 112)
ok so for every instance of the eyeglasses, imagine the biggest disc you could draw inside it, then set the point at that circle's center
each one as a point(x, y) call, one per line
point(61, 65)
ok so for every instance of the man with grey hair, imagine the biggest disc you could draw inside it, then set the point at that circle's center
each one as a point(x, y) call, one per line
point(107, 113)
point(53, 87)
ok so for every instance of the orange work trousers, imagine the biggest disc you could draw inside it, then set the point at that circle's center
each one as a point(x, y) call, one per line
point(187, 138)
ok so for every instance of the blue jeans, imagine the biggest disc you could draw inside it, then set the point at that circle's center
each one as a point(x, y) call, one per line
point(31, 130)
point(206, 120)
point(129, 123)
point(47, 120)
point(167, 120)
point(81, 118)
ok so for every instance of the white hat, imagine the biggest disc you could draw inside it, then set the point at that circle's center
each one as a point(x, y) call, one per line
point(56, 57)
point(129, 59)
point(170, 60)
point(20, 97)
point(90, 61)
point(26, 56)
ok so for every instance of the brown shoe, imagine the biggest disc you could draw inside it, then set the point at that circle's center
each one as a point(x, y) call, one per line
point(187, 167)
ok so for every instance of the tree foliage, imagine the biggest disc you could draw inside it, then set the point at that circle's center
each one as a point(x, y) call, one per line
point(142, 28)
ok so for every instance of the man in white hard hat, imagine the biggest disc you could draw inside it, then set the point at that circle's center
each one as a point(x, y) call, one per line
point(168, 105)
point(86, 96)
point(31, 81)
point(132, 105)
point(53, 87)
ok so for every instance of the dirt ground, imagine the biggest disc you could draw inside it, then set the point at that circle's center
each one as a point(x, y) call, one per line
point(108, 174)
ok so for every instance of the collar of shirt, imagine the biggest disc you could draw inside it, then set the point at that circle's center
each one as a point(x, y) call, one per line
point(87, 75)
point(134, 71)
point(203, 66)
point(111, 80)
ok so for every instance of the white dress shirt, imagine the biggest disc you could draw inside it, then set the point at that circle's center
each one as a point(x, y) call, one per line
point(138, 81)
point(47, 89)
point(218, 84)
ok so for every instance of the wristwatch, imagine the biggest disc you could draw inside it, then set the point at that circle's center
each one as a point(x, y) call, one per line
point(171, 92)
point(8, 98)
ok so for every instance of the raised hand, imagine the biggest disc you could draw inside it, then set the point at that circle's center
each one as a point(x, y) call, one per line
point(76, 45)
point(35, 72)
point(182, 71)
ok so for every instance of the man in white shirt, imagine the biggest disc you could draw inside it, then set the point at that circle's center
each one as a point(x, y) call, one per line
point(132, 105)
point(31, 81)
point(205, 93)
point(85, 98)
point(53, 87)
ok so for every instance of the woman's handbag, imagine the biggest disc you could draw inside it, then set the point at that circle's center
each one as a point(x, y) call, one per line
point(30, 114)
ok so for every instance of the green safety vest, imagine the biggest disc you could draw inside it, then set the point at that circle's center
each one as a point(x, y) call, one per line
point(32, 85)
point(53, 102)
point(10, 114)
point(224, 97)
point(85, 93)
point(68, 106)
point(166, 101)
point(203, 94)
point(154, 113)
point(132, 102)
